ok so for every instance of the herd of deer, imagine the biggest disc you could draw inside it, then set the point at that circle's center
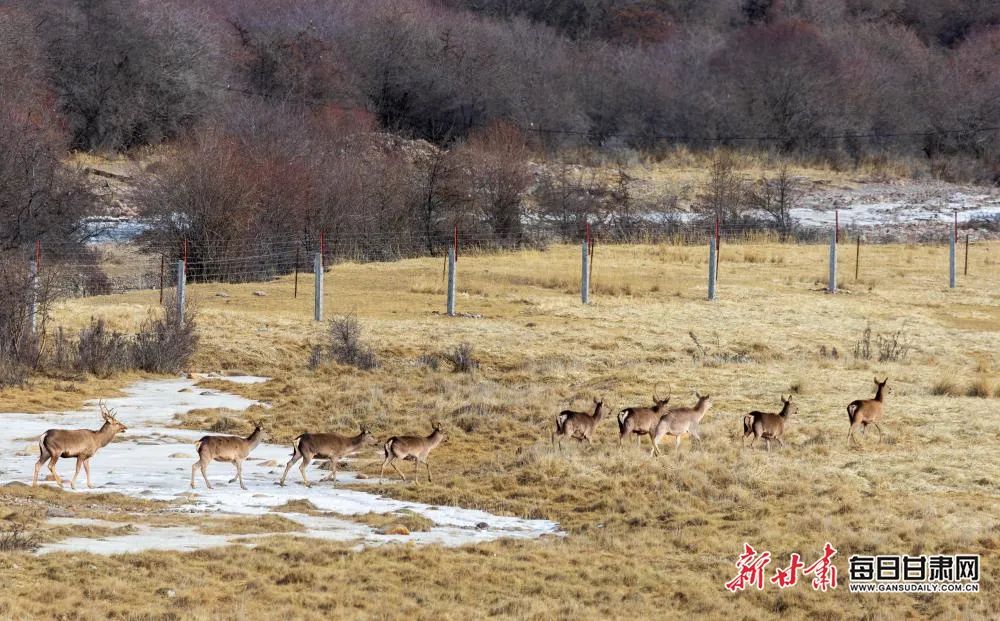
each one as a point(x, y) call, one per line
point(656, 421)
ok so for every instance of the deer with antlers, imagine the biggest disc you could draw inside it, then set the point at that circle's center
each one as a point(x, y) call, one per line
point(79, 443)
point(864, 412)
point(641, 421)
point(680, 421)
point(578, 425)
point(232, 449)
point(415, 448)
point(768, 425)
point(330, 446)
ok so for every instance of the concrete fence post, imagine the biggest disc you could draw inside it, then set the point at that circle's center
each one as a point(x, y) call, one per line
point(951, 261)
point(711, 269)
point(318, 287)
point(585, 274)
point(831, 286)
point(451, 282)
point(181, 295)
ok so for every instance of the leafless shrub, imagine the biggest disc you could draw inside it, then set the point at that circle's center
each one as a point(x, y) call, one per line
point(431, 361)
point(163, 344)
point(101, 350)
point(346, 346)
point(889, 347)
point(16, 537)
point(462, 358)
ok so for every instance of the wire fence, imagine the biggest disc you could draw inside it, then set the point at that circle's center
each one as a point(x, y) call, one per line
point(119, 267)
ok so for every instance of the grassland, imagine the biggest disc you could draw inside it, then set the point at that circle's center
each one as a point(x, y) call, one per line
point(646, 537)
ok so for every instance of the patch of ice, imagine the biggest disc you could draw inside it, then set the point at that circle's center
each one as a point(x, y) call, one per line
point(139, 464)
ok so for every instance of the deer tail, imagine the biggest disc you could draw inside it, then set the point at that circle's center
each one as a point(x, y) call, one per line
point(852, 408)
point(387, 447)
point(747, 425)
point(561, 422)
point(295, 446)
point(622, 417)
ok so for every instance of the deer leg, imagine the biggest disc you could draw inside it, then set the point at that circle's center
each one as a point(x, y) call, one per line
point(677, 444)
point(86, 470)
point(697, 436)
point(396, 468)
point(239, 472)
point(288, 466)
point(76, 473)
point(38, 466)
point(381, 473)
point(52, 469)
point(879, 432)
point(781, 442)
point(428, 466)
point(767, 443)
point(850, 434)
point(655, 450)
point(333, 471)
point(204, 473)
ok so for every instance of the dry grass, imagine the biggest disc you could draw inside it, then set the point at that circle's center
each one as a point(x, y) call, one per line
point(647, 537)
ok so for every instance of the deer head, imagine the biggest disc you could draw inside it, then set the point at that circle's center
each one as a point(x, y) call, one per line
point(366, 435)
point(109, 418)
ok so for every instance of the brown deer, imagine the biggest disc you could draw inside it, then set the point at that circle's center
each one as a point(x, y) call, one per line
point(309, 446)
point(864, 412)
point(768, 425)
point(680, 421)
point(79, 443)
point(233, 449)
point(641, 421)
point(415, 448)
point(578, 425)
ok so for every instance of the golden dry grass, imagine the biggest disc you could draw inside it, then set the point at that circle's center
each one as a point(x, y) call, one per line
point(646, 537)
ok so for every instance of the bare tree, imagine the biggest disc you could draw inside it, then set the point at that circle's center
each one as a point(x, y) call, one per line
point(128, 74)
point(724, 195)
point(776, 197)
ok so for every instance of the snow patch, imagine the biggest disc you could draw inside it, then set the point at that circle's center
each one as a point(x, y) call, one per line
point(139, 464)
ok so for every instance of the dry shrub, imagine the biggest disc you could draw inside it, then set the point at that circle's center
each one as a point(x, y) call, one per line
point(162, 344)
point(462, 358)
point(946, 387)
point(102, 351)
point(345, 346)
point(890, 348)
point(16, 537)
point(981, 387)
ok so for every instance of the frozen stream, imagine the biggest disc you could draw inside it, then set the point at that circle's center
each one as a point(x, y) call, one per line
point(153, 461)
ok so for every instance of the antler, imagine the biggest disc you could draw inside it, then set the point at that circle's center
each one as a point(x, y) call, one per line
point(106, 414)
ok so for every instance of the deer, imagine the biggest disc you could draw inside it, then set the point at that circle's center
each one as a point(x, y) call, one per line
point(415, 448)
point(79, 443)
point(233, 449)
point(640, 421)
point(679, 421)
point(578, 425)
point(309, 446)
point(864, 412)
point(768, 425)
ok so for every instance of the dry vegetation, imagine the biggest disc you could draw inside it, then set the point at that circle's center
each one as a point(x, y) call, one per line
point(646, 537)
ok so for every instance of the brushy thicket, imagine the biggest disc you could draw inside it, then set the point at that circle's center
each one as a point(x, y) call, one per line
point(160, 345)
